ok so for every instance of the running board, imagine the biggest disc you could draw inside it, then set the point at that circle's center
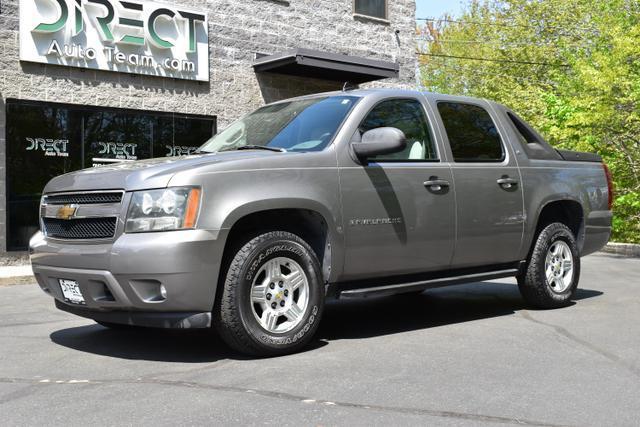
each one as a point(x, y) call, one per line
point(422, 285)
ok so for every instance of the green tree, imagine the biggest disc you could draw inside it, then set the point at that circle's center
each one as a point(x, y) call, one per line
point(572, 69)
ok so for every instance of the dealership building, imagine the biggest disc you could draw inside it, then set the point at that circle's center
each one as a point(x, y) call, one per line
point(84, 83)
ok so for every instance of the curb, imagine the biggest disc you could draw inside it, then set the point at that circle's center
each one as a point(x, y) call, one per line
point(16, 274)
point(625, 249)
point(17, 280)
point(12, 259)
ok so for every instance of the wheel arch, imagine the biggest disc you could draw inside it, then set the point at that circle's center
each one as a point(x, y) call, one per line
point(567, 211)
point(307, 218)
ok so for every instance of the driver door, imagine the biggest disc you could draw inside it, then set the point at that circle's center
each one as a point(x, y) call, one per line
point(398, 209)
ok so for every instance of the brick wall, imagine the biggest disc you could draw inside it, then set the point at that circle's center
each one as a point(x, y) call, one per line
point(238, 29)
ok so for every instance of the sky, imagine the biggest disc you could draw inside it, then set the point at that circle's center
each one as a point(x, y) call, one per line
point(435, 8)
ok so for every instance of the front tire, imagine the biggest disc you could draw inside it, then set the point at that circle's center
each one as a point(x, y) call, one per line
point(553, 270)
point(272, 298)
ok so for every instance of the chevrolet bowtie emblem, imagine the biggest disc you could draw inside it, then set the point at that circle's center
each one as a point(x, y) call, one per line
point(67, 212)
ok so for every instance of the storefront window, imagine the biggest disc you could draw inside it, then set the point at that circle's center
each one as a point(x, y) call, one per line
point(46, 139)
point(42, 142)
point(110, 137)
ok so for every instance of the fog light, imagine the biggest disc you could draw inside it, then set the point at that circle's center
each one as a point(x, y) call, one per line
point(163, 292)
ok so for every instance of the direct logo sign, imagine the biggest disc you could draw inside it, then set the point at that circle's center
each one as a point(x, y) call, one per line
point(67, 212)
point(51, 147)
point(180, 151)
point(119, 150)
point(138, 37)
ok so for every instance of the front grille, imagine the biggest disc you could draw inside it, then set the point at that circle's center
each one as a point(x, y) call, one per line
point(80, 228)
point(83, 198)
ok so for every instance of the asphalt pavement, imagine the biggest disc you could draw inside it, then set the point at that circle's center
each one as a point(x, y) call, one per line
point(464, 355)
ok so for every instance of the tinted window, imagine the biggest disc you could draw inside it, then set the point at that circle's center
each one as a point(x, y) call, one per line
point(525, 135)
point(408, 116)
point(45, 140)
point(375, 8)
point(472, 134)
point(111, 136)
point(42, 142)
point(175, 135)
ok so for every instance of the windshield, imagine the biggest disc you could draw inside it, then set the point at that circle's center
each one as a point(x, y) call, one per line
point(303, 125)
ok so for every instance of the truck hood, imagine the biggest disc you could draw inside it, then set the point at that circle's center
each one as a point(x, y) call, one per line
point(143, 174)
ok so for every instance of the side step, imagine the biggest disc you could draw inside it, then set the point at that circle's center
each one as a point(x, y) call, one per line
point(422, 285)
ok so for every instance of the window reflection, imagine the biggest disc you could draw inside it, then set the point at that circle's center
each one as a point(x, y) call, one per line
point(110, 136)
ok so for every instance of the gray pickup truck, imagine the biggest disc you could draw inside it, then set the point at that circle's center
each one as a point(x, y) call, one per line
point(342, 194)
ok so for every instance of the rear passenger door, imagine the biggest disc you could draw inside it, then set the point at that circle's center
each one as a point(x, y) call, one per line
point(399, 208)
point(489, 202)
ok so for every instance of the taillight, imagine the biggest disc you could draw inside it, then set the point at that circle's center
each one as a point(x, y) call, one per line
point(607, 173)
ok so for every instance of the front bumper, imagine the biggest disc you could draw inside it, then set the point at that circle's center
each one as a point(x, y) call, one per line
point(121, 280)
point(180, 320)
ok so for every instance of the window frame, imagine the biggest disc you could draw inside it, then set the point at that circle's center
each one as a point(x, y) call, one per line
point(377, 18)
point(503, 146)
point(431, 129)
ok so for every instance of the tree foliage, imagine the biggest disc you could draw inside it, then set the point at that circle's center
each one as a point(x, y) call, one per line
point(571, 69)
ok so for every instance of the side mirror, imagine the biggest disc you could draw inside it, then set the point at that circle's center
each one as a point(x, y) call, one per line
point(379, 141)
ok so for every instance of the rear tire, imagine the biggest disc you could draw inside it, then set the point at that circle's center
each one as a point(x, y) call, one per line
point(553, 269)
point(272, 298)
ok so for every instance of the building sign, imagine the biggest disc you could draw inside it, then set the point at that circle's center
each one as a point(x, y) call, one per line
point(50, 147)
point(138, 37)
point(118, 149)
point(179, 150)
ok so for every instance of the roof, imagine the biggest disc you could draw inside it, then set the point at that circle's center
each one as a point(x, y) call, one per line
point(392, 92)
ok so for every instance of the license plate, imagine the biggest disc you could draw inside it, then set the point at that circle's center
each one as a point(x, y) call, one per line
point(71, 291)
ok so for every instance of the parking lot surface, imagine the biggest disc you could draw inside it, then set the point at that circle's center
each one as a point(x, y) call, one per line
point(464, 355)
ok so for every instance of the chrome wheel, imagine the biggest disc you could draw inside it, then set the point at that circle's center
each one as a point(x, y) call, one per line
point(559, 267)
point(280, 295)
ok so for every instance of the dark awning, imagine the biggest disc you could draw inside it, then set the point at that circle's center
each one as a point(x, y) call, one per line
point(326, 66)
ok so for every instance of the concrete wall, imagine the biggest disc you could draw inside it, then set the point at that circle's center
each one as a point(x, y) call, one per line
point(238, 29)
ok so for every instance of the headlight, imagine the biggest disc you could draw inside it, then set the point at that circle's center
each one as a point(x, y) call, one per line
point(163, 210)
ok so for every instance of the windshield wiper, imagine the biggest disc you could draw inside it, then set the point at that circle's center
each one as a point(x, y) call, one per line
point(261, 147)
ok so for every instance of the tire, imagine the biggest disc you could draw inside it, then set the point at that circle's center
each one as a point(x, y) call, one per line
point(551, 283)
point(260, 286)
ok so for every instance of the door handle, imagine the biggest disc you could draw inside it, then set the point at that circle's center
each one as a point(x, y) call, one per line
point(436, 184)
point(507, 183)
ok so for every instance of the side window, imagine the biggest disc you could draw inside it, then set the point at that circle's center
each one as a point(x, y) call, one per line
point(472, 134)
point(408, 116)
point(374, 8)
point(525, 135)
point(534, 145)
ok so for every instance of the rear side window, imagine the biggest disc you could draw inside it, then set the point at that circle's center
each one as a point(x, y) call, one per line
point(533, 144)
point(472, 134)
point(524, 133)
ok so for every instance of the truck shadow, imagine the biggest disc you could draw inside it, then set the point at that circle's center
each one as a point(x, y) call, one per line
point(363, 318)
point(345, 319)
point(160, 345)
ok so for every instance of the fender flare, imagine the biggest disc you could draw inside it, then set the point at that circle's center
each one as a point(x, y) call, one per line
point(333, 220)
